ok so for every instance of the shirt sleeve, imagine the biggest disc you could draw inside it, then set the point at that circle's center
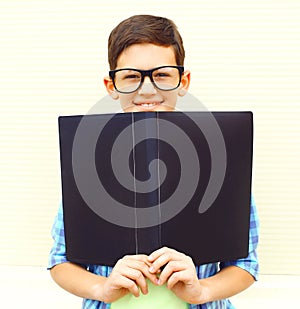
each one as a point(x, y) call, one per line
point(250, 263)
point(58, 252)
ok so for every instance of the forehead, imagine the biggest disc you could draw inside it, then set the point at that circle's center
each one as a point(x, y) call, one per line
point(146, 56)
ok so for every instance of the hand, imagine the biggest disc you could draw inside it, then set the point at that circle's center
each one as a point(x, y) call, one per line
point(179, 273)
point(128, 276)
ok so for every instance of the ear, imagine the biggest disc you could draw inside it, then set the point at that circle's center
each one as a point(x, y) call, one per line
point(110, 88)
point(185, 83)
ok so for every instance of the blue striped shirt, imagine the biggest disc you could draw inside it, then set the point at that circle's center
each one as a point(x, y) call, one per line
point(250, 263)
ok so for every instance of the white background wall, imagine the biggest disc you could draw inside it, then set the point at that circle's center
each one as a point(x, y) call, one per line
point(244, 55)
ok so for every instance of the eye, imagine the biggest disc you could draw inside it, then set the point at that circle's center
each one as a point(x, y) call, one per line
point(131, 76)
point(161, 74)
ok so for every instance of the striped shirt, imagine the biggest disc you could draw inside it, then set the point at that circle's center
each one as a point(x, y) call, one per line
point(250, 263)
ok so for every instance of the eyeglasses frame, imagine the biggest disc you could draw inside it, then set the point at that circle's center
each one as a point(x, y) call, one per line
point(145, 73)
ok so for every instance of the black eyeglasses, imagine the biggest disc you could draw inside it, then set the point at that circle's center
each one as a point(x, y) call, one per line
point(129, 80)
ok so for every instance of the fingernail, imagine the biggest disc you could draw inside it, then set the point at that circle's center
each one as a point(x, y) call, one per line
point(151, 269)
point(158, 282)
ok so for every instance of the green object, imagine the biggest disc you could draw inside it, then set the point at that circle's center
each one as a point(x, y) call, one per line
point(158, 297)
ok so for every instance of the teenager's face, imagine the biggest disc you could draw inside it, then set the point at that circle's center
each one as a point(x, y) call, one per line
point(147, 97)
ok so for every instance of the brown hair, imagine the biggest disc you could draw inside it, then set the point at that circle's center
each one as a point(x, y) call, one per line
point(140, 29)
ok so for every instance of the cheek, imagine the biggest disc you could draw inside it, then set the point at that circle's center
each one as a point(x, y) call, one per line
point(125, 101)
point(170, 99)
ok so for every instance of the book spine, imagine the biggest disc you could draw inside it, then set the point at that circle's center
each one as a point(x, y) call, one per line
point(147, 179)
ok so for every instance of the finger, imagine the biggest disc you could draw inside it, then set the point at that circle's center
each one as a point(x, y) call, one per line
point(137, 270)
point(165, 258)
point(140, 280)
point(143, 268)
point(134, 262)
point(126, 283)
point(169, 270)
point(180, 276)
point(141, 257)
point(157, 265)
point(157, 253)
point(138, 257)
point(135, 277)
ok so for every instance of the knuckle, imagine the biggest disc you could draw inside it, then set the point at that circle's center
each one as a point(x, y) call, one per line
point(138, 275)
point(190, 259)
point(131, 285)
point(168, 256)
point(175, 276)
point(118, 264)
point(165, 249)
point(172, 265)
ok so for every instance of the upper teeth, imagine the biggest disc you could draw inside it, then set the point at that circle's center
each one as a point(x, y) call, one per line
point(148, 104)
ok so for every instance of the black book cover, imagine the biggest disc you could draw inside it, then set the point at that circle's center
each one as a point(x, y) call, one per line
point(135, 182)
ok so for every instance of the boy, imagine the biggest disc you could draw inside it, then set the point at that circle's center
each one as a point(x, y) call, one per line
point(146, 58)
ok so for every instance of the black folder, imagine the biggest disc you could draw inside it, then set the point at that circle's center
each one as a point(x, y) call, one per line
point(121, 172)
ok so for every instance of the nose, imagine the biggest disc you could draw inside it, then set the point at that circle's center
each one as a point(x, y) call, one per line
point(147, 87)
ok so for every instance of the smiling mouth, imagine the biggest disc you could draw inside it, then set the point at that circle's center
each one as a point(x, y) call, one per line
point(148, 105)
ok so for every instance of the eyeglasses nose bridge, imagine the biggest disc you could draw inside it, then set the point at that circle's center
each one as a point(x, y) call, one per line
point(150, 86)
point(147, 73)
